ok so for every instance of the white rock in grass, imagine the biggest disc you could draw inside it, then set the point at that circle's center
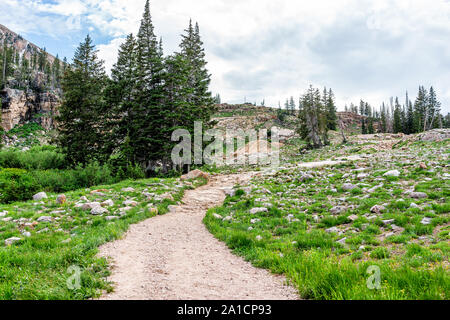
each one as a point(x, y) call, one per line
point(26, 234)
point(44, 219)
point(84, 198)
point(253, 221)
point(259, 238)
point(40, 196)
point(130, 203)
point(3, 214)
point(128, 189)
point(418, 195)
point(217, 216)
point(258, 210)
point(342, 241)
point(362, 176)
point(426, 221)
point(109, 218)
point(388, 222)
point(96, 211)
point(107, 203)
point(10, 241)
point(414, 206)
point(227, 218)
point(90, 205)
point(349, 187)
point(332, 230)
point(392, 173)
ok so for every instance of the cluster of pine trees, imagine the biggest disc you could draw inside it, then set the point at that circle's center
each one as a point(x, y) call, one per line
point(22, 71)
point(408, 118)
point(130, 116)
point(317, 115)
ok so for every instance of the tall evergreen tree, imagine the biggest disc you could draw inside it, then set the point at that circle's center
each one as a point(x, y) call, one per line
point(82, 109)
point(397, 126)
point(146, 139)
point(121, 95)
point(192, 50)
point(331, 111)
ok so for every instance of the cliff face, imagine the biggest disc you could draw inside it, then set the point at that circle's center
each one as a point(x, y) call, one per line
point(34, 100)
point(20, 107)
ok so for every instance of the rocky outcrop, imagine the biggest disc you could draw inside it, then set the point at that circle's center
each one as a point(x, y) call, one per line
point(434, 135)
point(20, 106)
point(37, 103)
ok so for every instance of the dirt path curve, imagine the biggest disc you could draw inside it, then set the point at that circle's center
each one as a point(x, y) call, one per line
point(175, 257)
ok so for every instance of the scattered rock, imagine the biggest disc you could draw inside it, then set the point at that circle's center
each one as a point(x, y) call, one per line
point(66, 241)
point(194, 175)
point(98, 210)
point(388, 222)
point(392, 173)
point(44, 219)
point(258, 210)
point(353, 217)
point(217, 216)
point(253, 221)
point(128, 189)
point(426, 221)
point(109, 218)
point(26, 234)
point(418, 195)
point(338, 209)
point(3, 214)
point(10, 241)
point(423, 166)
point(259, 238)
point(130, 203)
point(342, 241)
point(107, 203)
point(414, 206)
point(349, 187)
point(40, 196)
point(90, 205)
point(377, 209)
point(61, 199)
point(362, 176)
point(332, 230)
point(228, 218)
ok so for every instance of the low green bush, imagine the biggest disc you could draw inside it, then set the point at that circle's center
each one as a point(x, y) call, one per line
point(16, 185)
point(37, 158)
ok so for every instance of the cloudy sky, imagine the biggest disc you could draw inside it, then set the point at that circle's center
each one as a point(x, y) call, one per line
point(266, 49)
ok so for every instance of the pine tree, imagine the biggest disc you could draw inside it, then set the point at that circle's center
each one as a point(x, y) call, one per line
point(312, 119)
point(383, 118)
point(291, 106)
point(397, 126)
point(146, 137)
point(331, 111)
point(192, 50)
point(420, 110)
point(82, 109)
point(434, 110)
point(121, 95)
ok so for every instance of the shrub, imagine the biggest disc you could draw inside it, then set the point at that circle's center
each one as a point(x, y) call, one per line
point(37, 158)
point(16, 185)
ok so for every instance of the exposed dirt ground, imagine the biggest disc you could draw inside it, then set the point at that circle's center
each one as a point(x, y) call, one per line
point(175, 257)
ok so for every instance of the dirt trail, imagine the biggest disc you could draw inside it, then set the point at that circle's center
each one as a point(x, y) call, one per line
point(175, 257)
